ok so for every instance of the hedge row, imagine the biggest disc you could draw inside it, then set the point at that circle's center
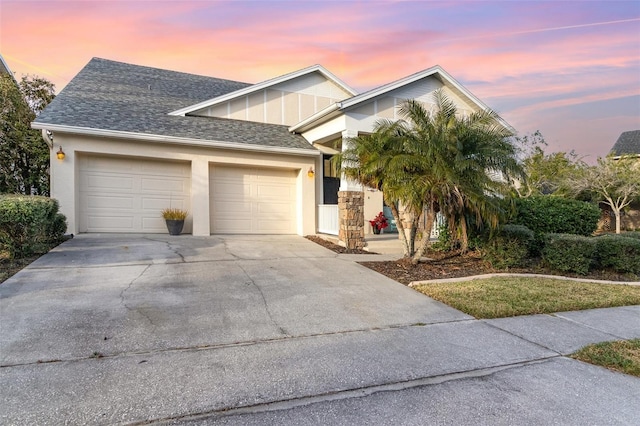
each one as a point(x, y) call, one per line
point(512, 247)
point(548, 214)
point(509, 248)
point(29, 224)
point(575, 253)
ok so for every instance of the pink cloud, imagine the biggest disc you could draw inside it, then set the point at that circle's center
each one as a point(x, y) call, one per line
point(523, 67)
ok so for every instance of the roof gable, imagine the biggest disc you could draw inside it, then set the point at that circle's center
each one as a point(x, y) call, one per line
point(436, 71)
point(413, 86)
point(4, 69)
point(272, 83)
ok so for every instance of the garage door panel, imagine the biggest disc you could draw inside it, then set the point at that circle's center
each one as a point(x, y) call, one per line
point(279, 209)
point(275, 226)
point(164, 169)
point(97, 164)
point(122, 194)
point(234, 225)
point(160, 203)
point(109, 202)
point(271, 191)
point(230, 209)
point(231, 190)
point(275, 175)
point(252, 200)
point(109, 182)
point(110, 223)
point(162, 185)
point(153, 224)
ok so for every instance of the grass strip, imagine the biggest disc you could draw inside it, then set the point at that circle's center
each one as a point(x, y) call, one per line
point(501, 297)
point(622, 356)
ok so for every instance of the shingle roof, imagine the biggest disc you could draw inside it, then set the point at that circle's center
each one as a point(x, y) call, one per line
point(4, 68)
point(115, 96)
point(627, 143)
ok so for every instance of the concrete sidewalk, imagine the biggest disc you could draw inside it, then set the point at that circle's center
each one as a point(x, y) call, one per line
point(278, 330)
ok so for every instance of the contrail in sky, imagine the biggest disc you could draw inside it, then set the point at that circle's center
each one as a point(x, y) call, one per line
point(30, 65)
point(542, 30)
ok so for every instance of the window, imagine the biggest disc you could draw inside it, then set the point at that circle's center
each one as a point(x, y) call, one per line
point(329, 169)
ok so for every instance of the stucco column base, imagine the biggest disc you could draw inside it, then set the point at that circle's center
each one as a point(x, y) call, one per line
point(351, 219)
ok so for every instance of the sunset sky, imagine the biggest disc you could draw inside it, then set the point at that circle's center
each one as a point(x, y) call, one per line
point(570, 69)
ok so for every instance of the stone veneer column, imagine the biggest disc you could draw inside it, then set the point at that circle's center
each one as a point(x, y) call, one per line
point(351, 219)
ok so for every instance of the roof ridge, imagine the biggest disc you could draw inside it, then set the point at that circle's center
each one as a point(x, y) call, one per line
point(98, 59)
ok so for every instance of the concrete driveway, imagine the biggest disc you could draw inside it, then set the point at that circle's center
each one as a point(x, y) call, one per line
point(126, 329)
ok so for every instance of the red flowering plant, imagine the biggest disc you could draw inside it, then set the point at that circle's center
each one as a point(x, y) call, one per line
point(379, 222)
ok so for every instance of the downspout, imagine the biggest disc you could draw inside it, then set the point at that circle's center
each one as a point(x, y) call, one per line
point(47, 136)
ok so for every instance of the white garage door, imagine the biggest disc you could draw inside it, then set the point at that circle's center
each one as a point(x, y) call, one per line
point(252, 200)
point(125, 194)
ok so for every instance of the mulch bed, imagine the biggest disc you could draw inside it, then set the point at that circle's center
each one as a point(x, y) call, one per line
point(334, 247)
point(456, 265)
point(10, 267)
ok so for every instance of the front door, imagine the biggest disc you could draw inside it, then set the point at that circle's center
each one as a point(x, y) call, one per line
point(330, 181)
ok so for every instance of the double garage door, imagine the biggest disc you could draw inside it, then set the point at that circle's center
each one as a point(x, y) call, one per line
point(123, 194)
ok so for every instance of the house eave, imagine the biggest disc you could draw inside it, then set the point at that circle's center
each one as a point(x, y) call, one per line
point(263, 85)
point(320, 117)
point(624, 156)
point(347, 103)
point(144, 137)
point(436, 71)
point(342, 107)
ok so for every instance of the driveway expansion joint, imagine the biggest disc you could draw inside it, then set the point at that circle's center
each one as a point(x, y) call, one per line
point(344, 394)
point(581, 324)
point(521, 337)
point(207, 347)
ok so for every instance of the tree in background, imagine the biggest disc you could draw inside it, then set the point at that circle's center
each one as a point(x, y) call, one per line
point(24, 157)
point(547, 173)
point(614, 182)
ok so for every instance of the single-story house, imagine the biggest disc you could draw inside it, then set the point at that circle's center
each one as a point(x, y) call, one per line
point(626, 146)
point(241, 158)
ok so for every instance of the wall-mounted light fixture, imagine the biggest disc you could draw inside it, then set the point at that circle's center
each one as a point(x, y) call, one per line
point(311, 173)
point(60, 154)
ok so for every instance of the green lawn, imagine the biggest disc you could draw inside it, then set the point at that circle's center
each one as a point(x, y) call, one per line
point(622, 356)
point(510, 296)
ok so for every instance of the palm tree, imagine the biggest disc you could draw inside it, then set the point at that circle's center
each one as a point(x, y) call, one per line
point(378, 160)
point(468, 161)
point(437, 161)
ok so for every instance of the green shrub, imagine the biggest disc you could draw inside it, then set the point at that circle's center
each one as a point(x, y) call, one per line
point(444, 242)
point(29, 224)
point(555, 215)
point(569, 253)
point(509, 247)
point(634, 234)
point(618, 252)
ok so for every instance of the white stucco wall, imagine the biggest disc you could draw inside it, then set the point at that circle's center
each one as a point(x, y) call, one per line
point(65, 173)
point(373, 204)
